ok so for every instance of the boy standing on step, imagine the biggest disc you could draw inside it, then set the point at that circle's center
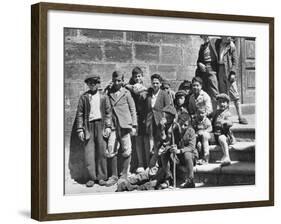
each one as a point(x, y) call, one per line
point(221, 127)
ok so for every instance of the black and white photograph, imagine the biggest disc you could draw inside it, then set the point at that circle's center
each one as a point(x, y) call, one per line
point(150, 111)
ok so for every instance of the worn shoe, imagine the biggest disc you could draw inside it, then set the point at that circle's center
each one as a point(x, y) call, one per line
point(111, 181)
point(243, 120)
point(200, 162)
point(140, 170)
point(188, 183)
point(164, 185)
point(90, 183)
point(225, 162)
point(102, 182)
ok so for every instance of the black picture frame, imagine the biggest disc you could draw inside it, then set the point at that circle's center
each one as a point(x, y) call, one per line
point(39, 107)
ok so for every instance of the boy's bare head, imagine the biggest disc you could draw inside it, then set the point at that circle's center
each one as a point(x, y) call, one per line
point(201, 113)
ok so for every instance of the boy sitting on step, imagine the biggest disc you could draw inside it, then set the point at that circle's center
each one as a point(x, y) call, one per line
point(202, 126)
point(221, 127)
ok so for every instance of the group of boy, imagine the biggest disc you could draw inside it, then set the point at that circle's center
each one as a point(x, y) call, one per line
point(162, 127)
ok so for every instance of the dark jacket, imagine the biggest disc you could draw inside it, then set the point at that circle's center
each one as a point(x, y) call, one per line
point(229, 64)
point(139, 99)
point(81, 123)
point(213, 54)
point(188, 141)
point(156, 112)
point(230, 58)
point(123, 108)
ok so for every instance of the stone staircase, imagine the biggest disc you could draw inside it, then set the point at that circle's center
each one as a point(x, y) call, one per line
point(242, 153)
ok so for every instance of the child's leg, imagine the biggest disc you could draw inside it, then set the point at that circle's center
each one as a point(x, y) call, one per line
point(235, 97)
point(224, 145)
point(126, 145)
point(205, 142)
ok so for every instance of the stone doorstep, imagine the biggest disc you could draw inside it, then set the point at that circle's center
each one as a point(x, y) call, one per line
point(236, 167)
point(212, 180)
point(238, 173)
point(240, 151)
point(246, 108)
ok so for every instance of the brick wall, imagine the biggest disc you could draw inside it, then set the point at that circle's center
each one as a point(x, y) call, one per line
point(90, 51)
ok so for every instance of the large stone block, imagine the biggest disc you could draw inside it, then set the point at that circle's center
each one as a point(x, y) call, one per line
point(76, 71)
point(147, 53)
point(185, 72)
point(102, 34)
point(104, 71)
point(162, 38)
point(190, 55)
point(68, 121)
point(83, 51)
point(74, 89)
point(118, 52)
point(171, 55)
point(166, 71)
point(137, 36)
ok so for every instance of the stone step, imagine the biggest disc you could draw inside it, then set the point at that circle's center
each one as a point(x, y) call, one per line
point(245, 133)
point(242, 132)
point(246, 109)
point(238, 173)
point(240, 151)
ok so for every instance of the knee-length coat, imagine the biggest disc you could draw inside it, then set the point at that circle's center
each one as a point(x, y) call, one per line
point(81, 123)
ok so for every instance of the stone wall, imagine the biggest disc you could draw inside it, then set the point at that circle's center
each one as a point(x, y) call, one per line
point(101, 52)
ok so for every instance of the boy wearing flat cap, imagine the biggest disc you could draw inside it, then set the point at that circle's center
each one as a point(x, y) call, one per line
point(222, 134)
point(92, 122)
point(177, 145)
point(124, 124)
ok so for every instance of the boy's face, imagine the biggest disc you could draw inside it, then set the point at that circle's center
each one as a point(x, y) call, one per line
point(201, 114)
point(184, 126)
point(155, 84)
point(196, 87)
point(138, 78)
point(93, 86)
point(117, 82)
point(223, 104)
point(166, 88)
point(180, 100)
point(169, 118)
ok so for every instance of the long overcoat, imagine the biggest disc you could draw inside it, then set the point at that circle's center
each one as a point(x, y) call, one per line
point(81, 123)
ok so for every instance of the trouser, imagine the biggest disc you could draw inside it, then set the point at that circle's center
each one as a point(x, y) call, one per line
point(223, 79)
point(120, 137)
point(210, 85)
point(187, 159)
point(142, 150)
point(95, 159)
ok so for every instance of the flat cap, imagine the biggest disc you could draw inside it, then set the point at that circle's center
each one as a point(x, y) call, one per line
point(186, 84)
point(180, 93)
point(170, 109)
point(92, 78)
point(223, 96)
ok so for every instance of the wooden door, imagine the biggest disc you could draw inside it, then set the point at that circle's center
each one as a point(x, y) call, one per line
point(246, 78)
